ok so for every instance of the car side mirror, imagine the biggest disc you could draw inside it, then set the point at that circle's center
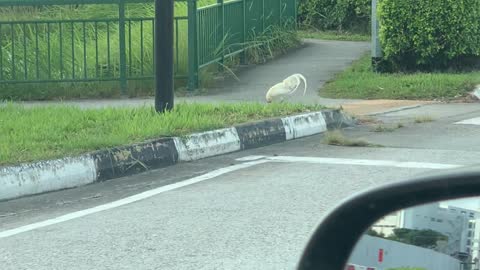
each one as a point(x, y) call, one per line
point(332, 243)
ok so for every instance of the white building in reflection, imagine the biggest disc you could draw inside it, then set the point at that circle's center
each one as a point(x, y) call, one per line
point(476, 245)
point(458, 224)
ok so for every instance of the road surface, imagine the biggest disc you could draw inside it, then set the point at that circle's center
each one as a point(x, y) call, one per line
point(249, 210)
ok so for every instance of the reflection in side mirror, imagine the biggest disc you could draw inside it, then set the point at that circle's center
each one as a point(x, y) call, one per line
point(437, 236)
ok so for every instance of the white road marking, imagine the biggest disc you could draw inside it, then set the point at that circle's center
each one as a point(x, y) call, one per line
point(128, 200)
point(472, 121)
point(253, 160)
point(250, 158)
point(364, 162)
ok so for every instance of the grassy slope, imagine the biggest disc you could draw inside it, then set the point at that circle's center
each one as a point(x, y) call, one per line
point(359, 81)
point(51, 132)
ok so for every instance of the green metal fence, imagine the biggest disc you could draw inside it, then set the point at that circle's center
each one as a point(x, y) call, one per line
point(121, 48)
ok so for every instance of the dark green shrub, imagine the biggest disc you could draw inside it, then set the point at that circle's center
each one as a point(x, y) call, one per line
point(430, 34)
point(350, 15)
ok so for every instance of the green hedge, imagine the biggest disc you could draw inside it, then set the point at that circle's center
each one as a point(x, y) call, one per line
point(349, 15)
point(429, 34)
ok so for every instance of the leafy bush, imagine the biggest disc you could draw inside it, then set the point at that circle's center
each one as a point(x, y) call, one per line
point(339, 15)
point(436, 34)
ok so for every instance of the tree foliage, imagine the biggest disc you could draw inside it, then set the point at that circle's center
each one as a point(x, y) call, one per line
point(341, 15)
point(375, 233)
point(421, 238)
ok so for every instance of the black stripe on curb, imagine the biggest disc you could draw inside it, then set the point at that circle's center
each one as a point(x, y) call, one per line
point(133, 159)
point(261, 133)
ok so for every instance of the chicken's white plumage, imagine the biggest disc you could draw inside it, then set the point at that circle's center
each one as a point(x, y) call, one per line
point(286, 87)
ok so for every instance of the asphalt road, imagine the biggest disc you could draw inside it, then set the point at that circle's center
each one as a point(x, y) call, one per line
point(226, 213)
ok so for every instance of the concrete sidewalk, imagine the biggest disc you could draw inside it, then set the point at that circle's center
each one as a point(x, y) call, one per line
point(318, 60)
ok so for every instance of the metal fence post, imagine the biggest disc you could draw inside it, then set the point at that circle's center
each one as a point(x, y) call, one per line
point(221, 15)
point(263, 16)
point(163, 42)
point(376, 48)
point(295, 3)
point(123, 54)
point(243, 55)
point(280, 13)
point(192, 45)
point(1, 54)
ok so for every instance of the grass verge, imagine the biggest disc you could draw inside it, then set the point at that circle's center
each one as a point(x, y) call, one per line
point(334, 35)
point(359, 81)
point(57, 131)
point(337, 138)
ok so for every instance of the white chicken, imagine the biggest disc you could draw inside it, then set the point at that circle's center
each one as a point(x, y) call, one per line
point(286, 87)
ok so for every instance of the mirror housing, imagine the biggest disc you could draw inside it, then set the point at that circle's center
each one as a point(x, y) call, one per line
point(335, 238)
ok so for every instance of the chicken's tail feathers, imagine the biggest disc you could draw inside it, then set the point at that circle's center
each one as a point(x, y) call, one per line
point(297, 84)
point(300, 77)
point(304, 82)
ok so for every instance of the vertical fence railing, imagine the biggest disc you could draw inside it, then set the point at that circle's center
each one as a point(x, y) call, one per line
point(121, 49)
point(243, 55)
point(221, 32)
point(192, 45)
point(233, 23)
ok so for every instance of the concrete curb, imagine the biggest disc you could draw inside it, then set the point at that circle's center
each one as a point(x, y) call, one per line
point(45, 176)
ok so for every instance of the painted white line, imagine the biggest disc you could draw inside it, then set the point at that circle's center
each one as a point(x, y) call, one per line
point(473, 121)
point(364, 162)
point(250, 158)
point(128, 200)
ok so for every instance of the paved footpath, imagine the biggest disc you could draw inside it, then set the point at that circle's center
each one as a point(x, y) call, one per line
point(318, 60)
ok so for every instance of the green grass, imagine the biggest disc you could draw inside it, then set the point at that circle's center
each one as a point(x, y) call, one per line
point(29, 134)
point(334, 35)
point(359, 81)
